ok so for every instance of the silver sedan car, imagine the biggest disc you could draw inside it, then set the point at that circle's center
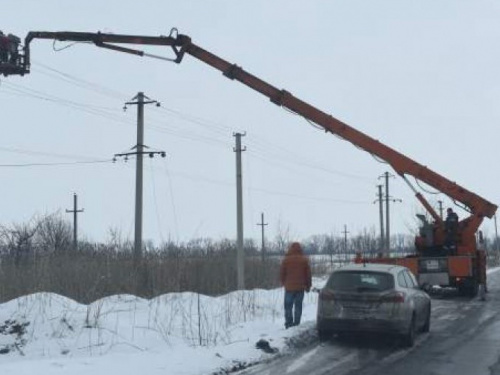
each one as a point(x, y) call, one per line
point(373, 298)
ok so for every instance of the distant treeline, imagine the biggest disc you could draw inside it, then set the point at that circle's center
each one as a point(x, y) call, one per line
point(39, 256)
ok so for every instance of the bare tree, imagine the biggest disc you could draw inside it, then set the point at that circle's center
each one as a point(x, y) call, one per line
point(282, 238)
point(315, 244)
point(19, 239)
point(54, 234)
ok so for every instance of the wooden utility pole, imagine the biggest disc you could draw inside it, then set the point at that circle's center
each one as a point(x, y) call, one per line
point(263, 248)
point(75, 211)
point(240, 255)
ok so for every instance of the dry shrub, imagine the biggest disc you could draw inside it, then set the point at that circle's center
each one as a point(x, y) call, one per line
point(88, 275)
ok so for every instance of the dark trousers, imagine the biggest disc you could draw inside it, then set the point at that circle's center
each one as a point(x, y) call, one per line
point(450, 243)
point(293, 308)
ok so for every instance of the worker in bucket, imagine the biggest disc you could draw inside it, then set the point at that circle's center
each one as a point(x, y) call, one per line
point(295, 276)
point(13, 45)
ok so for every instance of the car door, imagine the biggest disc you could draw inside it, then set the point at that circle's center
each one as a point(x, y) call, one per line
point(404, 282)
point(417, 295)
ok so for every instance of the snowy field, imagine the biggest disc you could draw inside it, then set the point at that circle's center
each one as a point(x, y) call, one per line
point(177, 334)
point(181, 334)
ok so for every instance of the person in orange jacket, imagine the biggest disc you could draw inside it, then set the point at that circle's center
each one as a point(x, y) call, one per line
point(295, 276)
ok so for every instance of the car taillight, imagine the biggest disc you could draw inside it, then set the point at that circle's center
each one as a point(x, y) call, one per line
point(326, 295)
point(395, 297)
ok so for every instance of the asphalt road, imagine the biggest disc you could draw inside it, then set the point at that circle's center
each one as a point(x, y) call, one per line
point(464, 340)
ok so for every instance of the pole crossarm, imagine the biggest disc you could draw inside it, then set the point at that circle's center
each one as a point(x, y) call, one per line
point(150, 153)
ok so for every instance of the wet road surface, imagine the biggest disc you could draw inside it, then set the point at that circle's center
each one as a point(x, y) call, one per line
point(464, 340)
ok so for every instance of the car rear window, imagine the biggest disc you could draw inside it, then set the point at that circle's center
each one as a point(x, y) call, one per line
point(361, 281)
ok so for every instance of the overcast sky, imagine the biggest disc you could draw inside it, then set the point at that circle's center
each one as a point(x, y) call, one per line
point(420, 76)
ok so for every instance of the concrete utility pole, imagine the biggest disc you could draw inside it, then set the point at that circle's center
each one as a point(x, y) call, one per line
point(262, 225)
point(140, 101)
point(380, 201)
point(240, 256)
point(496, 237)
point(387, 222)
point(345, 232)
point(388, 198)
point(440, 209)
point(75, 212)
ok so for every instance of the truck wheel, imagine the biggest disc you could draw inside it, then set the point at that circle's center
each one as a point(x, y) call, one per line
point(468, 288)
point(473, 288)
point(482, 292)
point(461, 290)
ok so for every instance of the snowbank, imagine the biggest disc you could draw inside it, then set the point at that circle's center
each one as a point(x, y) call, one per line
point(179, 333)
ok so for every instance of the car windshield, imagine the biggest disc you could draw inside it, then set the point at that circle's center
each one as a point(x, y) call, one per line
point(361, 281)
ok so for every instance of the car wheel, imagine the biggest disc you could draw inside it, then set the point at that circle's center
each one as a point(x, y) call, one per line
point(409, 336)
point(341, 335)
point(324, 335)
point(427, 324)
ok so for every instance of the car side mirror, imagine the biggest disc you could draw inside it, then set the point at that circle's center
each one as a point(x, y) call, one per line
point(425, 287)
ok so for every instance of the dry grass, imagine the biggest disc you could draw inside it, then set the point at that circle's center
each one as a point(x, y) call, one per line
point(87, 276)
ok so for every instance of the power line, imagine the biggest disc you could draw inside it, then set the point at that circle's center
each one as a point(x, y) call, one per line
point(172, 201)
point(92, 86)
point(260, 145)
point(199, 178)
point(42, 153)
point(308, 163)
point(49, 97)
point(283, 164)
point(319, 199)
point(155, 201)
point(54, 99)
point(220, 129)
point(54, 164)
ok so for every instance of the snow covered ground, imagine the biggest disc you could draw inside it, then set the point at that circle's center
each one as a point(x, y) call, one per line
point(178, 333)
point(181, 333)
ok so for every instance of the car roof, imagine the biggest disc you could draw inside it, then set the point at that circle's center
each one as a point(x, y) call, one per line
point(375, 267)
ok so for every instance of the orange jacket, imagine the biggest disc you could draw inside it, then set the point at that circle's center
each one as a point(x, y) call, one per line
point(295, 271)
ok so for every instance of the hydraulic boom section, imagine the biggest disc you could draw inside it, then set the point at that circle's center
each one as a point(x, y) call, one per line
point(182, 44)
point(21, 65)
point(431, 239)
